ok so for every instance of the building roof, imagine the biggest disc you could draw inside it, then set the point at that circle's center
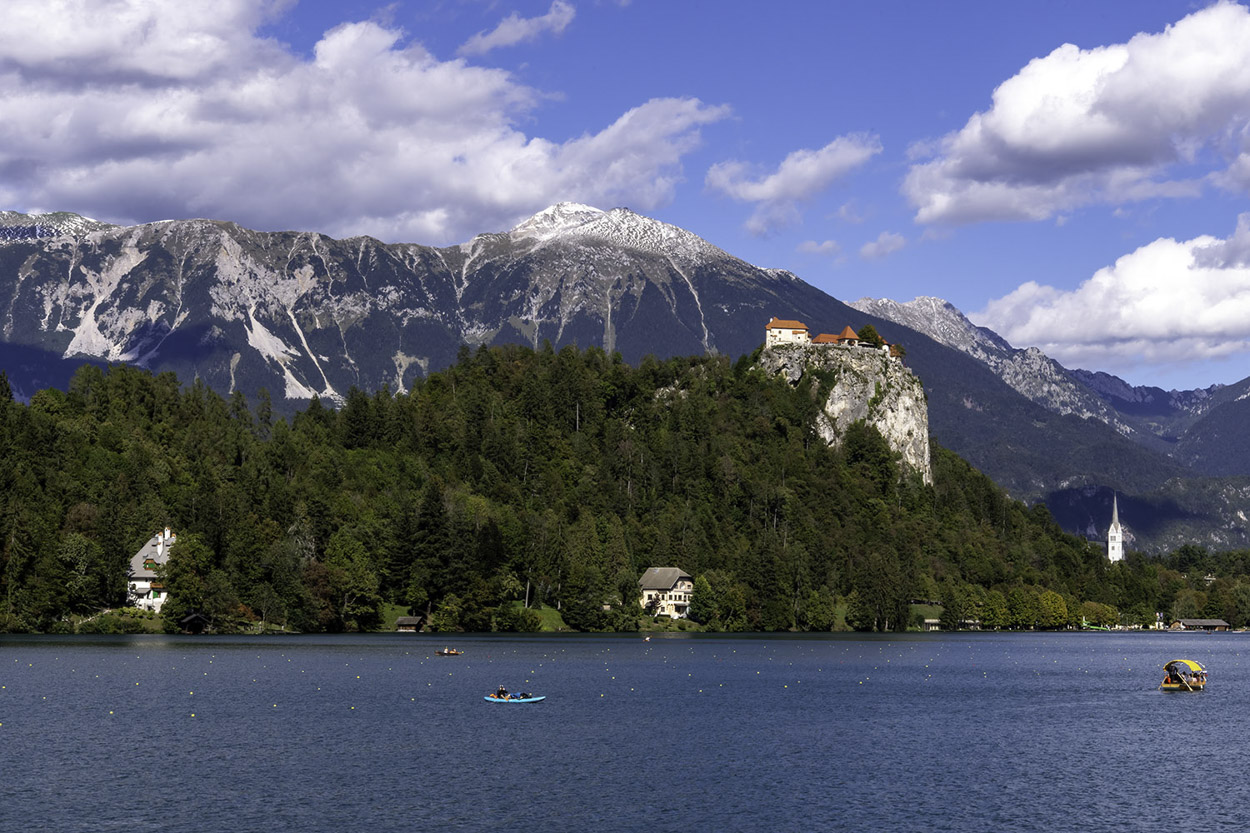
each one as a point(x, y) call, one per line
point(784, 324)
point(150, 551)
point(1203, 623)
point(825, 338)
point(662, 578)
point(847, 332)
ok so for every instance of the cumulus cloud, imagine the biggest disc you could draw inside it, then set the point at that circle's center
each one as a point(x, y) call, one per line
point(515, 29)
point(826, 247)
point(1110, 124)
point(886, 243)
point(848, 213)
point(1167, 303)
point(145, 42)
point(135, 110)
point(801, 175)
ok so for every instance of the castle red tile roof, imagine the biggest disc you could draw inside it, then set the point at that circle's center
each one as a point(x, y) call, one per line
point(783, 324)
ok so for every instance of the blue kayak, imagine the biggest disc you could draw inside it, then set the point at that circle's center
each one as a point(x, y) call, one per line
point(490, 698)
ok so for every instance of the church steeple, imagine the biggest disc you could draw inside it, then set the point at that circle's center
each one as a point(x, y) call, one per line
point(1115, 535)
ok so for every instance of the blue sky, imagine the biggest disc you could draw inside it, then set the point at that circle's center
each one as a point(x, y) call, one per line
point(1069, 174)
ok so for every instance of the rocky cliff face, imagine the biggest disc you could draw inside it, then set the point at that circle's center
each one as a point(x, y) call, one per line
point(865, 384)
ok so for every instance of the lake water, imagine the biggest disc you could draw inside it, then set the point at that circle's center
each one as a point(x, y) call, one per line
point(933, 732)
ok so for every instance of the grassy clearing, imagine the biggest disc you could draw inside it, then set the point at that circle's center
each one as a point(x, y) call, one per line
point(926, 611)
point(550, 617)
point(391, 612)
point(116, 620)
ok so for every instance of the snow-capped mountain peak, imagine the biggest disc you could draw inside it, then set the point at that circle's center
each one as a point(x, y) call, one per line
point(556, 220)
point(17, 226)
point(938, 319)
point(577, 223)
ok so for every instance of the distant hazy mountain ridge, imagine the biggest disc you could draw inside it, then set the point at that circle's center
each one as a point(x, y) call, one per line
point(1029, 371)
point(1201, 431)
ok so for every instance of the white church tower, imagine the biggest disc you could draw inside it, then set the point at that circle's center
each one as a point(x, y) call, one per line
point(1115, 535)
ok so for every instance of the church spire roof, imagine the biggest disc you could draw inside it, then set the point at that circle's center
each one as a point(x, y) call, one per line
point(1115, 535)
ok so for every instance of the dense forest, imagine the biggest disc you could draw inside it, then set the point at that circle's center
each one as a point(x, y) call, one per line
point(519, 478)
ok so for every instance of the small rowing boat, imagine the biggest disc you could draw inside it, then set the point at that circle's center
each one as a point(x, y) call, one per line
point(524, 697)
point(1184, 675)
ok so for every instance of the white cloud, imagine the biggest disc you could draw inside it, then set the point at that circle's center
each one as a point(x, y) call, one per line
point(826, 247)
point(886, 243)
point(145, 42)
point(134, 110)
point(848, 213)
point(801, 175)
point(515, 29)
point(1103, 125)
point(1168, 303)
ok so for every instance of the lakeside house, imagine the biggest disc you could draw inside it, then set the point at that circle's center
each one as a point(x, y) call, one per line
point(666, 591)
point(144, 587)
point(408, 624)
point(195, 622)
point(1200, 625)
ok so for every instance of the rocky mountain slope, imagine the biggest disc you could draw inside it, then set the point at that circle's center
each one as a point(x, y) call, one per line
point(1158, 419)
point(15, 226)
point(300, 314)
point(1029, 371)
point(303, 314)
point(1201, 432)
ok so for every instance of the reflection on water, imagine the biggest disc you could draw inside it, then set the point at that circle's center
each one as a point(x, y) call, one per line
point(763, 732)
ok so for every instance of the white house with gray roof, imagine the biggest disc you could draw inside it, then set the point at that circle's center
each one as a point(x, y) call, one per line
point(666, 591)
point(144, 584)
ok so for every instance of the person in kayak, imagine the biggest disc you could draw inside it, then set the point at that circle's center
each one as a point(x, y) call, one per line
point(502, 693)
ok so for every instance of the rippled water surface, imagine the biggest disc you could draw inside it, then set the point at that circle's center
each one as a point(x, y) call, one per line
point(375, 733)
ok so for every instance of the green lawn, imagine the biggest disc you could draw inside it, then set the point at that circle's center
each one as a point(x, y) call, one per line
point(390, 613)
point(927, 611)
point(550, 617)
point(117, 620)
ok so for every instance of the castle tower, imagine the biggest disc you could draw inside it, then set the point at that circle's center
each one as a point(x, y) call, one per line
point(1115, 535)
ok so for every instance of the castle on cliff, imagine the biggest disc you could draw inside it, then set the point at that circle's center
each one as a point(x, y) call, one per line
point(783, 331)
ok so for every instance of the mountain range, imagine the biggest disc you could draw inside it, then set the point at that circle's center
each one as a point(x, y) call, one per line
point(301, 314)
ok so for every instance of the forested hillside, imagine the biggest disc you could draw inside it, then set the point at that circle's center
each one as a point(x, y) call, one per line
point(518, 477)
